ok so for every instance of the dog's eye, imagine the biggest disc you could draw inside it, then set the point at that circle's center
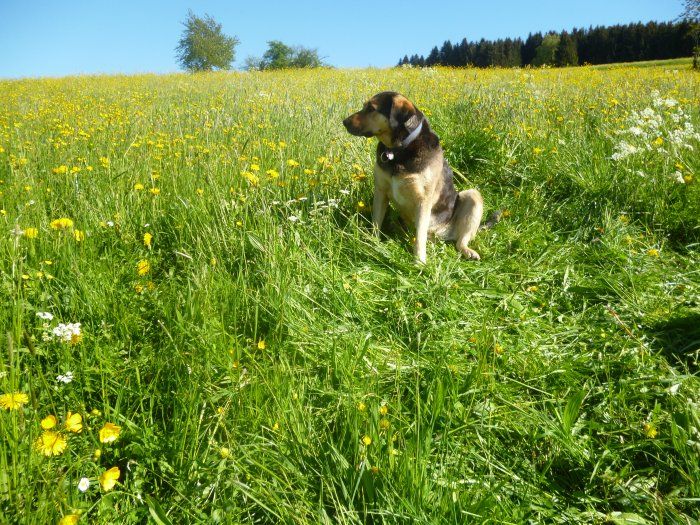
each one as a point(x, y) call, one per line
point(369, 108)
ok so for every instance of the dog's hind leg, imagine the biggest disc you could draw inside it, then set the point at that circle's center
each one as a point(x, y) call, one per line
point(466, 219)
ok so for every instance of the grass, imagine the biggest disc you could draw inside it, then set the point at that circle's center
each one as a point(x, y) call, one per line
point(675, 62)
point(273, 362)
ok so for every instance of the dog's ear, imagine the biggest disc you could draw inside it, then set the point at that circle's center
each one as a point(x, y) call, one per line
point(404, 114)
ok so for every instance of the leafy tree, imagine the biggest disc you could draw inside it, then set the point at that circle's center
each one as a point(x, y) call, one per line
point(253, 63)
point(305, 57)
point(566, 53)
point(544, 55)
point(691, 14)
point(203, 47)
point(280, 56)
point(277, 56)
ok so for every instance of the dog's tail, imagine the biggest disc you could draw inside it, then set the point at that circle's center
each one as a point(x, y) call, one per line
point(492, 220)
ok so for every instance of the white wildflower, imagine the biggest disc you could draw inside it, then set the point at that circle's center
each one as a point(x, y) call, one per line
point(83, 484)
point(678, 177)
point(65, 378)
point(47, 316)
point(623, 150)
point(67, 333)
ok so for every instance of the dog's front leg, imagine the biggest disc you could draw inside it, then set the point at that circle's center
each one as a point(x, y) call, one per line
point(379, 206)
point(422, 225)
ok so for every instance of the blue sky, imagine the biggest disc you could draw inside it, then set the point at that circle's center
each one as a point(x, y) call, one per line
point(55, 38)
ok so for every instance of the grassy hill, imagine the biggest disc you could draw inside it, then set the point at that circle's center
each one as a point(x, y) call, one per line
point(249, 352)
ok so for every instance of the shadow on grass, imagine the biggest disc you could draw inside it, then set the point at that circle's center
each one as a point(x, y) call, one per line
point(678, 338)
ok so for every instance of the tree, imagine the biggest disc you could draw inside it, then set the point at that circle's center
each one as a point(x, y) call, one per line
point(566, 54)
point(280, 56)
point(544, 55)
point(433, 58)
point(306, 57)
point(529, 48)
point(277, 56)
point(691, 14)
point(203, 47)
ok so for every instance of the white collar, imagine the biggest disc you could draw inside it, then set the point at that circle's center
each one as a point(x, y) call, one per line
point(412, 136)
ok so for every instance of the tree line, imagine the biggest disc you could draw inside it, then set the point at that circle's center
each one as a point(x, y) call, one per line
point(595, 45)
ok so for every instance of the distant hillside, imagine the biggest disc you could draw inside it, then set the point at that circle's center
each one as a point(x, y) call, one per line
point(595, 45)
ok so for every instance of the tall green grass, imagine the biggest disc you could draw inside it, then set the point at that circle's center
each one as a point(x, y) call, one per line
point(278, 364)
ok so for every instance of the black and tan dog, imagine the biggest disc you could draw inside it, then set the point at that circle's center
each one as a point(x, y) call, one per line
point(411, 171)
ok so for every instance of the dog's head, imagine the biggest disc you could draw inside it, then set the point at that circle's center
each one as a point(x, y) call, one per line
point(389, 116)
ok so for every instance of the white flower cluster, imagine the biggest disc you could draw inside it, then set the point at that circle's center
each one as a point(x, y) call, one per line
point(65, 378)
point(663, 124)
point(67, 332)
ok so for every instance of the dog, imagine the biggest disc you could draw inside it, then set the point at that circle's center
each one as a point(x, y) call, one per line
point(411, 172)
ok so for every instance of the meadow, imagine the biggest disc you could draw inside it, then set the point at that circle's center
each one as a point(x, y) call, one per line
point(198, 325)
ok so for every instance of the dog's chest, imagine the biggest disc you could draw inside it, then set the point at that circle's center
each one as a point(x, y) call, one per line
point(406, 191)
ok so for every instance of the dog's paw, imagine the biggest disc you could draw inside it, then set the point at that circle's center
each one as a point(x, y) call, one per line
point(470, 254)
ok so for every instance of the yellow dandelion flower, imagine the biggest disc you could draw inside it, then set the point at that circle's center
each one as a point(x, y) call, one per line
point(251, 177)
point(366, 440)
point(143, 267)
point(69, 519)
point(653, 252)
point(74, 422)
point(254, 167)
point(537, 151)
point(31, 233)
point(384, 424)
point(147, 237)
point(273, 174)
point(138, 186)
point(79, 235)
point(155, 191)
point(650, 430)
point(61, 224)
point(50, 443)
point(14, 400)
point(109, 478)
point(109, 433)
point(49, 422)
point(383, 410)
point(60, 170)
point(261, 344)
point(292, 163)
point(200, 191)
point(225, 452)
point(658, 142)
point(361, 406)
